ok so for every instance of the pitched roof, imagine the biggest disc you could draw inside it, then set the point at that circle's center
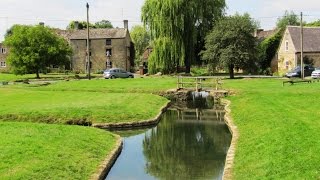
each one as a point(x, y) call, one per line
point(112, 33)
point(261, 34)
point(311, 38)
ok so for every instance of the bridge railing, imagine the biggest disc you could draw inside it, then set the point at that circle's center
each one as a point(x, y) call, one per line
point(199, 83)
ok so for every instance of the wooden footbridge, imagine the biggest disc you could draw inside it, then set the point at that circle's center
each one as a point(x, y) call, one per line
point(210, 84)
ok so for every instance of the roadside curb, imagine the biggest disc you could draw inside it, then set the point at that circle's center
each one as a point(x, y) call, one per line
point(126, 125)
point(227, 172)
point(107, 164)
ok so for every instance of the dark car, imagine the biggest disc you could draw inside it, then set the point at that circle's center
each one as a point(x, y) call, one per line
point(117, 73)
point(296, 72)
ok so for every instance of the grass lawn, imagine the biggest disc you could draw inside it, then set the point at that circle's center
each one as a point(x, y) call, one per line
point(40, 151)
point(136, 85)
point(12, 77)
point(279, 129)
point(63, 106)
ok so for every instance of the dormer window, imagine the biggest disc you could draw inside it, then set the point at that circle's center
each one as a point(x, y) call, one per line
point(287, 46)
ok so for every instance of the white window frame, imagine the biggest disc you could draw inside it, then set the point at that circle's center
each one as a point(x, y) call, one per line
point(3, 64)
point(286, 48)
point(3, 50)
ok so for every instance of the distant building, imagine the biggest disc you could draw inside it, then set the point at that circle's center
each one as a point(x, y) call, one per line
point(111, 47)
point(261, 34)
point(289, 52)
point(3, 56)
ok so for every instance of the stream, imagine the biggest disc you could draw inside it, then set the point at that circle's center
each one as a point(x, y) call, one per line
point(190, 142)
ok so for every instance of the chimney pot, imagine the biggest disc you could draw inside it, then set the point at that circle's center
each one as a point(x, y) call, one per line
point(125, 22)
point(76, 25)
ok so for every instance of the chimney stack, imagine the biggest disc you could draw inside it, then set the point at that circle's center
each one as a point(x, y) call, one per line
point(125, 22)
point(41, 23)
point(76, 25)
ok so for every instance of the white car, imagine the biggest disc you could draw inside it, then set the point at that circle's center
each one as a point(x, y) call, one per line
point(316, 73)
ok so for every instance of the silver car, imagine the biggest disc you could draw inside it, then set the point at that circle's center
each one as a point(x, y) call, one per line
point(117, 73)
point(316, 73)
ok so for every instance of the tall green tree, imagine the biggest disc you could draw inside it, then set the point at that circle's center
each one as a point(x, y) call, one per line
point(103, 24)
point(83, 24)
point(231, 43)
point(34, 48)
point(289, 18)
point(176, 27)
point(141, 39)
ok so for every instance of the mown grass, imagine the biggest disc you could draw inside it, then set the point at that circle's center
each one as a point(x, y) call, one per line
point(73, 106)
point(136, 85)
point(279, 129)
point(49, 76)
point(40, 151)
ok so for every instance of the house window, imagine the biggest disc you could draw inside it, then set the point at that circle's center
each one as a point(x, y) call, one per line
point(108, 42)
point(109, 52)
point(3, 50)
point(3, 64)
point(287, 46)
point(89, 42)
point(287, 65)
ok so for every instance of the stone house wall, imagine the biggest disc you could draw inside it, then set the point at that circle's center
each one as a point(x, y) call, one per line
point(4, 67)
point(120, 54)
point(286, 57)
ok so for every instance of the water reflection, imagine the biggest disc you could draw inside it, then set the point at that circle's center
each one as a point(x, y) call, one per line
point(186, 144)
point(184, 150)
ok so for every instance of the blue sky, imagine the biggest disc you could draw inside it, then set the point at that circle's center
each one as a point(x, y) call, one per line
point(59, 13)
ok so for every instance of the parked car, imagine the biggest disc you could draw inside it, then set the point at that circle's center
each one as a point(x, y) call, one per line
point(316, 73)
point(117, 73)
point(296, 72)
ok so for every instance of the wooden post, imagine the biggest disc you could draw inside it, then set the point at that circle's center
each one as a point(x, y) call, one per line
point(197, 84)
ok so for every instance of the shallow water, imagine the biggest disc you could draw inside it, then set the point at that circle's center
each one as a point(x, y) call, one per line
point(188, 143)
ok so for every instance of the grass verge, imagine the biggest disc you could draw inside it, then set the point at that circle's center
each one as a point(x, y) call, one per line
point(70, 106)
point(279, 129)
point(40, 151)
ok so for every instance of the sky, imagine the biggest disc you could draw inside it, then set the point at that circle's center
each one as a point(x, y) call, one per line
point(59, 13)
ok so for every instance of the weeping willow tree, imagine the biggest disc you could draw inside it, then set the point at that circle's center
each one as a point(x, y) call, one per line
point(177, 27)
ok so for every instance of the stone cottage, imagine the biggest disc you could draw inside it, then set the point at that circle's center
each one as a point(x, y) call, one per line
point(3, 55)
point(289, 52)
point(108, 48)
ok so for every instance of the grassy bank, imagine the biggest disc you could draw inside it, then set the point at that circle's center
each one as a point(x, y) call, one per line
point(66, 106)
point(136, 85)
point(39, 151)
point(279, 129)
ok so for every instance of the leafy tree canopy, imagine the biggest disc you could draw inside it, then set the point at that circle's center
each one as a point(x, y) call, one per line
point(83, 24)
point(34, 48)
point(141, 39)
point(175, 27)
point(289, 18)
point(103, 24)
point(314, 23)
point(231, 43)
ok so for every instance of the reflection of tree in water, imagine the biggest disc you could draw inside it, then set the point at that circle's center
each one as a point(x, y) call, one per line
point(200, 101)
point(185, 151)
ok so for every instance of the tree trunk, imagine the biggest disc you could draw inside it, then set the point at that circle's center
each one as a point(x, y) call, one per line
point(231, 72)
point(188, 66)
point(38, 76)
